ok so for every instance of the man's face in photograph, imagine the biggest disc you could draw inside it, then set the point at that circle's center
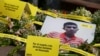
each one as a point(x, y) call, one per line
point(70, 29)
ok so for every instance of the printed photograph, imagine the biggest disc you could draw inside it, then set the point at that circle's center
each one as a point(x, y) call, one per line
point(68, 31)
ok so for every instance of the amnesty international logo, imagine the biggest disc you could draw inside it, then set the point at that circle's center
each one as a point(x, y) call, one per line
point(89, 26)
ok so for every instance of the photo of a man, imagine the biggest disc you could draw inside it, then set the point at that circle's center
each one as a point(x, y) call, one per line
point(68, 31)
point(68, 37)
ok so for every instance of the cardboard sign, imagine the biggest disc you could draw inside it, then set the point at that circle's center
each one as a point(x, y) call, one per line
point(15, 9)
point(42, 46)
point(1, 6)
point(33, 9)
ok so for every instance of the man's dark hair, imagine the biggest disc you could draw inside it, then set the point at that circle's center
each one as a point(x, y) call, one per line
point(69, 23)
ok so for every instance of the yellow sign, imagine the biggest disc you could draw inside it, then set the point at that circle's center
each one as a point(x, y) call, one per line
point(1, 7)
point(42, 46)
point(33, 9)
point(13, 9)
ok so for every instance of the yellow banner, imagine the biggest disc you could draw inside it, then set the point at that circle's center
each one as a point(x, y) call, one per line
point(76, 17)
point(2, 35)
point(37, 22)
point(12, 8)
point(3, 20)
point(42, 46)
point(97, 45)
point(48, 13)
point(68, 16)
point(67, 47)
